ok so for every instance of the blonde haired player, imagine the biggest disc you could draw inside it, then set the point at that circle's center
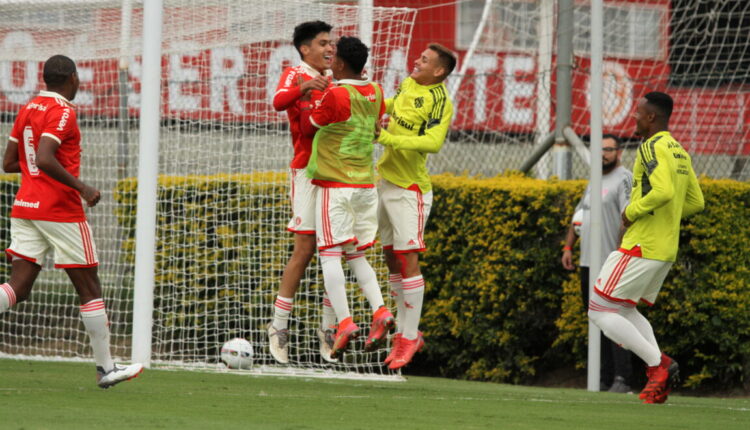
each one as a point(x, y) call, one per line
point(420, 113)
point(45, 147)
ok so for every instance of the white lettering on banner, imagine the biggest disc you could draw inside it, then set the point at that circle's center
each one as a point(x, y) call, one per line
point(134, 72)
point(18, 94)
point(617, 93)
point(513, 90)
point(85, 75)
point(279, 56)
point(394, 72)
point(181, 73)
point(482, 65)
point(227, 68)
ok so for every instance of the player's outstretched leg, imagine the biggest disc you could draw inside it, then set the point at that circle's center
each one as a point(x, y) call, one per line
point(94, 317)
point(382, 319)
point(278, 328)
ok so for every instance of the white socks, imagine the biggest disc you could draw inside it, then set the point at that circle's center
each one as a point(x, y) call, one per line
point(366, 278)
point(282, 308)
point(95, 320)
point(329, 315)
point(335, 281)
point(7, 297)
point(394, 279)
point(638, 337)
point(413, 292)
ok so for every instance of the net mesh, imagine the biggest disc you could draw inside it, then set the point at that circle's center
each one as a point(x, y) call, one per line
point(222, 205)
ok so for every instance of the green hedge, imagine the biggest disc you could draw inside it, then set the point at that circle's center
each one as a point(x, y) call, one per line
point(500, 307)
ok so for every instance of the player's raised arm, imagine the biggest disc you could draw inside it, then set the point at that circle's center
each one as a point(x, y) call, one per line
point(435, 131)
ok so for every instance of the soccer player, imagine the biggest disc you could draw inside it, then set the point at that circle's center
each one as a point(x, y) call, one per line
point(665, 190)
point(45, 147)
point(341, 165)
point(616, 188)
point(298, 89)
point(420, 113)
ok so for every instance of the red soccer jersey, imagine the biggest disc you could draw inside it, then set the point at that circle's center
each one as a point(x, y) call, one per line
point(335, 106)
point(287, 98)
point(41, 197)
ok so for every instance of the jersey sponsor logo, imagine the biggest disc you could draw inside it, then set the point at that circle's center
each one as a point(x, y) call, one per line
point(63, 120)
point(25, 204)
point(403, 123)
point(36, 106)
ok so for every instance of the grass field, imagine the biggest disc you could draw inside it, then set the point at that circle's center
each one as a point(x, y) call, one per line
point(44, 395)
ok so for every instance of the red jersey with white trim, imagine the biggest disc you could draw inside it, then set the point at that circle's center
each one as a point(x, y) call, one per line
point(40, 197)
point(287, 97)
point(335, 105)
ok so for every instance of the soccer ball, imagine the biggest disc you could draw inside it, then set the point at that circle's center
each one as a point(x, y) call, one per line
point(237, 354)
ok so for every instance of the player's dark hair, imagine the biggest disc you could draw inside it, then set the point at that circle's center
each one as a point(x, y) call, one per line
point(618, 141)
point(353, 52)
point(307, 31)
point(446, 57)
point(662, 102)
point(57, 70)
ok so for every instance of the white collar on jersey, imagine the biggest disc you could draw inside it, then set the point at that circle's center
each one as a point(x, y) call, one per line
point(355, 82)
point(312, 71)
point(44, 93)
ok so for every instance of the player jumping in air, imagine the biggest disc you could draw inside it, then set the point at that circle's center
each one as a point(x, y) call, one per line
point(341, 166)
point(420, 113)
point(665, 190)
point(298, 89)
point(45, 147)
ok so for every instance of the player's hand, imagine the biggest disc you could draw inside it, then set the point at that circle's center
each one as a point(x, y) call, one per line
point(567, 260)
point(91, 195)
point(378, 129)
point(319, 83)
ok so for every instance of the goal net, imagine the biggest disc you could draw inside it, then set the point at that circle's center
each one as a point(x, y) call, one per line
point(223, 199)
point(696, 51)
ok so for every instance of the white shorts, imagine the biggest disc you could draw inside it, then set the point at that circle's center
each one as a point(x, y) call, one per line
point(347, 217)
point(71, 242)
point(629, 279)
point(402, 217)
point(302, 195)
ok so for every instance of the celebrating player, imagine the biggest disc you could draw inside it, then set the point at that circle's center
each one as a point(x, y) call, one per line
point(420, 113)
point(346, 210)
point(298, 89)
point(665, 190)
point(45, 147)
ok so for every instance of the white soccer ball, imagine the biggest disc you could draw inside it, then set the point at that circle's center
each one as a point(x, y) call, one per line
point(237, 354)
